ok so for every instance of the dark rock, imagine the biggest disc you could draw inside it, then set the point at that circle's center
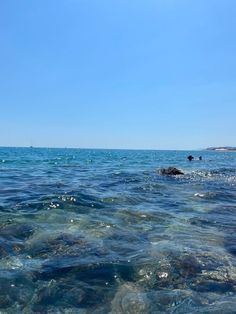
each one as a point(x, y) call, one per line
point(171, 171)
point(230, 245)
point(188, 266)
point(3, 251)
point(213, 286)
point(72, 266)
point(62, 244)
point(18, 231)
point(5, 301)
point(59, 294)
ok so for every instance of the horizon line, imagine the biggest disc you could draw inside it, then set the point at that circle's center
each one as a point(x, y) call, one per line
point(102, 148)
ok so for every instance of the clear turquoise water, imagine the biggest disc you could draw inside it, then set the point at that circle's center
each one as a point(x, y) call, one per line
point(102, 231)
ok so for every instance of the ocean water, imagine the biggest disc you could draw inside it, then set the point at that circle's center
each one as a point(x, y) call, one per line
point(102, 231)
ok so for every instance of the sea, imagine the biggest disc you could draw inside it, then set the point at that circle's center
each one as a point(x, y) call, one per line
point(104, 231)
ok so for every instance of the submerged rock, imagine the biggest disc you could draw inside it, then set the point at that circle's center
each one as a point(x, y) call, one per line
point(213, 286)
point(130, 300)
point(174, 300)
point(188, 266)
point(5, 301)
point(221, 274)
point(16, 231)
point(171, 171)
point(45, 246)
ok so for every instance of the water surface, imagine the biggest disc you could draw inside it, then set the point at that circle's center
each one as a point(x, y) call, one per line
point(102, 231)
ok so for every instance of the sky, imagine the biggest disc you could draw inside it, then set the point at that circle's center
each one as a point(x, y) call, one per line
point(154, 74)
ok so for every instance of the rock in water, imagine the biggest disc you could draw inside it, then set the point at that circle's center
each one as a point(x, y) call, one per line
point(171, 171)
point(129, 300)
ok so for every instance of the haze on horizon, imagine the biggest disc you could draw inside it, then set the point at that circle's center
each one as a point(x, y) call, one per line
point(118, 74)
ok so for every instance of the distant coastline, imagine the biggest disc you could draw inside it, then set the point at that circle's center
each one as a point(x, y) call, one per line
point(223, 149)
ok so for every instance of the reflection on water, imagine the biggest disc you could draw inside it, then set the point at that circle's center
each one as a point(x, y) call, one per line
point(97, 231)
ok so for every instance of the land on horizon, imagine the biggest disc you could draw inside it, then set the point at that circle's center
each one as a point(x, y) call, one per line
point(223, 148)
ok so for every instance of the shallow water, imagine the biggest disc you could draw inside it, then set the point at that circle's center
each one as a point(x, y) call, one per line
point(102, 231)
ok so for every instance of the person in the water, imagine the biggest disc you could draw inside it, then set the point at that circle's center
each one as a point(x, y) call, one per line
point(190, 157)
point(200, 157)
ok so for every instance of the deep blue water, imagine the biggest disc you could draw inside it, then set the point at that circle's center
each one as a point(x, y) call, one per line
point(102, 231)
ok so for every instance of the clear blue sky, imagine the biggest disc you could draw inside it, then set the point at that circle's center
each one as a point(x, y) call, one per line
point(118, 73)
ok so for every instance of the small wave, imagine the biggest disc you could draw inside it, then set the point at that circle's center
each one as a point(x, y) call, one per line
point(216, 196)
point(221, 172)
